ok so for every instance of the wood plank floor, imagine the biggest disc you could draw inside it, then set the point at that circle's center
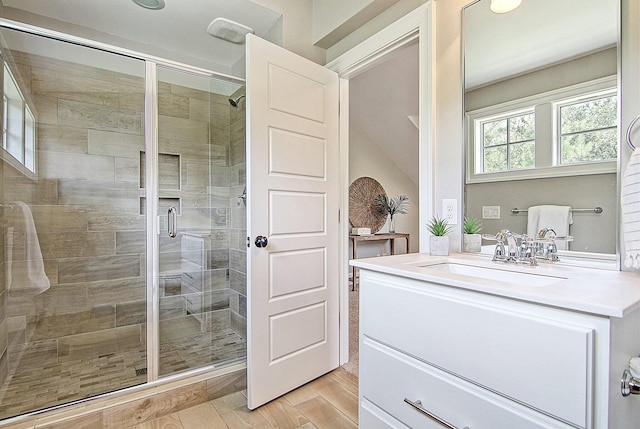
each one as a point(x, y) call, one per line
point(330, 401)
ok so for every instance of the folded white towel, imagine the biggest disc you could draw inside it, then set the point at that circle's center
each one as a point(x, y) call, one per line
point(557, 218)
point(630, 207)
point(25, 267)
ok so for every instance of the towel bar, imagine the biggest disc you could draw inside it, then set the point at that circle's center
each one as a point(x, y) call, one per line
point(595, 210)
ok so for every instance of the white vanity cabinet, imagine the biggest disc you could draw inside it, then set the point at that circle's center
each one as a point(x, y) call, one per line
point(480, 360)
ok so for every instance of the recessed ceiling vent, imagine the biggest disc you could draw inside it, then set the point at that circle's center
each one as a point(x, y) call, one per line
point(228, 30)
point(150, 4)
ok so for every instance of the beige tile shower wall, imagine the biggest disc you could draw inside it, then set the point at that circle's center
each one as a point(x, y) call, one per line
point(198, 130)
point(86, 205)
point(237, 246)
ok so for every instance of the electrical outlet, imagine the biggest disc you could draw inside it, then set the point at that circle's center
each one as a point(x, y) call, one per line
point(450, 211)
point(490, 212)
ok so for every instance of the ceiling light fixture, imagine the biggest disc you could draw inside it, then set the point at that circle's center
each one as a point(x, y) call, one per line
point(228, 30)
point(504, 6)
point(150, 4)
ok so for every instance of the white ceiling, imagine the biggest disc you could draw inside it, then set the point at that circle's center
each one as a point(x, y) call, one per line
point(538, 33)
point(180, 27)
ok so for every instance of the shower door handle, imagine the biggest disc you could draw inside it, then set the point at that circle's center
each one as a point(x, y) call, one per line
point(172, 222)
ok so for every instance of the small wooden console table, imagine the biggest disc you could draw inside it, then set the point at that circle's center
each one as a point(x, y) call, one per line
point(390, 236)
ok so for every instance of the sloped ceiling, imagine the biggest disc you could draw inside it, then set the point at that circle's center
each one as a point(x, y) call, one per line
point(381, 101)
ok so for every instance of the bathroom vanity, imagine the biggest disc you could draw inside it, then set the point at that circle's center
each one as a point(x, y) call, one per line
point(462, 341)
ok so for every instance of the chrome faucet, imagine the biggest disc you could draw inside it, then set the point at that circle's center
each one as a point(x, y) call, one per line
point(519, 248)
point(511, 251)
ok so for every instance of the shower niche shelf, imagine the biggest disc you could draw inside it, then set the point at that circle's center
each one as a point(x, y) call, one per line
point(169, 171)
point(169, 181)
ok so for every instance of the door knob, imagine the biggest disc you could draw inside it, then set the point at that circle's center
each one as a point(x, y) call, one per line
point(261, 241)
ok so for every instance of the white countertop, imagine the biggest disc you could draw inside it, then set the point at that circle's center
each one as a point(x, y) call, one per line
point(597, 291)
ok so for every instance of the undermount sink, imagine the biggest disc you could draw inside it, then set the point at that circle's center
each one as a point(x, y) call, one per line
point(524, 279)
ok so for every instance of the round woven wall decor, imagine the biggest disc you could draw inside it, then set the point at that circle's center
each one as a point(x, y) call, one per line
point(362, 213)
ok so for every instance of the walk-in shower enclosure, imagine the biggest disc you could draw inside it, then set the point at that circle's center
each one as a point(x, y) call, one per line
point(123, 237)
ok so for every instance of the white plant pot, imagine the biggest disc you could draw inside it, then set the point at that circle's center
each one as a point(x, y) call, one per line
point(439, 245)
point(471, 243)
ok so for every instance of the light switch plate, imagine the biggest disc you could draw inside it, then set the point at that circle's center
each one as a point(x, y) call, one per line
point(490, 212)
point(450, 211)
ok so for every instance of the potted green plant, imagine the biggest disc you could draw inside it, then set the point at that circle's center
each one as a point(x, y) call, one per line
point(439, 240)
point(471, 240)
point(391, 207)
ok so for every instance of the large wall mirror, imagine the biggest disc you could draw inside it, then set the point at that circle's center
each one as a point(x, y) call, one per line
point(541, 116)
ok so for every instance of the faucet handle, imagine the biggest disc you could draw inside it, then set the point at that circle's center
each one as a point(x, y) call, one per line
point(552, 251)
point(502, 235)
point(544, 231)
point(499, 252)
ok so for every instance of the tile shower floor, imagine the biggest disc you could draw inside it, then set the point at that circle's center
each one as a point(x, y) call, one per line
point(32, 388)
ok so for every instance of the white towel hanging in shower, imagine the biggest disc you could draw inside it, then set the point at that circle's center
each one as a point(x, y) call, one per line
point(25, 267)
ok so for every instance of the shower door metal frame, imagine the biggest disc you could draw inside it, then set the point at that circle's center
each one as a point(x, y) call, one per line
point(153, 224)
point(151, 176)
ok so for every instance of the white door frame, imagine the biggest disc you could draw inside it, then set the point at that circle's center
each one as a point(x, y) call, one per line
point(417, 25)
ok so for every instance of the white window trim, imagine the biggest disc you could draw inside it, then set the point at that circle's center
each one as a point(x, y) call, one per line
point(546, 135)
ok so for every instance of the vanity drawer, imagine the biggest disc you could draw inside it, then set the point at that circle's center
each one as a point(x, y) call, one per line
point(372, 417)
point(538, 357)
point(395, 376)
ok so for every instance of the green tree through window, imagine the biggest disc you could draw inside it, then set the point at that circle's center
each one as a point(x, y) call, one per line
point(509, 143)
point(588, 130)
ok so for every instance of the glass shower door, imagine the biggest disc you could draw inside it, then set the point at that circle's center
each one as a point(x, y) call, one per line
point(72, 280)
point(201, 242)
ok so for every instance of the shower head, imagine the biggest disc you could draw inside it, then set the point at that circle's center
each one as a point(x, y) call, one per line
point(235, 101)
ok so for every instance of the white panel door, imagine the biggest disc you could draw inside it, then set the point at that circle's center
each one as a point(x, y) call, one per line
point(293, 201)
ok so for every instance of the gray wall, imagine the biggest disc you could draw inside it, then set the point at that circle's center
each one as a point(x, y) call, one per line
point(592, 232)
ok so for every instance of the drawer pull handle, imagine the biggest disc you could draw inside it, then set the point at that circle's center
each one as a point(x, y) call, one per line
point(418, 406)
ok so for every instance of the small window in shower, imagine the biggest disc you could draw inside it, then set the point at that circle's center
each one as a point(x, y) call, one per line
point(18, 124)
